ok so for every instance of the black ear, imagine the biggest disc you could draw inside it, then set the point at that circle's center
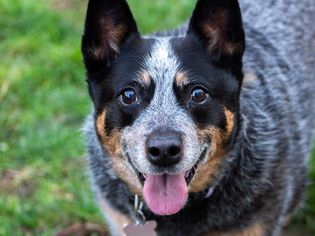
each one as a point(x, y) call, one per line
point(108, 25)
point(218, 23)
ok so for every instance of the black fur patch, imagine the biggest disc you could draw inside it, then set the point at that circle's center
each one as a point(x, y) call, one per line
point(222, 85)
point(107, 85)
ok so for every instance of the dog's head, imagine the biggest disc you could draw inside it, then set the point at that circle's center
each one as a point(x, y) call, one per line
point(166, 109)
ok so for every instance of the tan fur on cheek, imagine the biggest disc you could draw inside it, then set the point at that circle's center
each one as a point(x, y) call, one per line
point(206, 173)
point(111, 143)
point(229, 116)
point(253, 230)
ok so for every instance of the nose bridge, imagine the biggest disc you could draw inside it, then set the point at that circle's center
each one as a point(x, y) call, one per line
point(164, 113)
point(162, 65)
point(164, 107)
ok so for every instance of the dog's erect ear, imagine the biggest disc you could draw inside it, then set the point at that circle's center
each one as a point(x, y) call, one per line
point(218, 23)
point(108, 24)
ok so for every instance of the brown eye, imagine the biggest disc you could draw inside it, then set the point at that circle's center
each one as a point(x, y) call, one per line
point(199, 95)
point(128, 96)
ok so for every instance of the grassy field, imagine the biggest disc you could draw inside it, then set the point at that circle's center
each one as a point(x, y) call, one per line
point(43, 101)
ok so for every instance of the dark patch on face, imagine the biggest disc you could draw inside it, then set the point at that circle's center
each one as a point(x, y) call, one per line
point(125, 72)
point(221, 84)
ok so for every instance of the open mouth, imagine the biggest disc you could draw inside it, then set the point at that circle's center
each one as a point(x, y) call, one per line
point(166, 194)
point(188, 175)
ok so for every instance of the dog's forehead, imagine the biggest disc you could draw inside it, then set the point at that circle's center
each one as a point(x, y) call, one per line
point(162, 65)
point(162, 62)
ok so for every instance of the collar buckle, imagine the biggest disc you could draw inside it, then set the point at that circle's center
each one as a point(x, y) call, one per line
point(138, 213)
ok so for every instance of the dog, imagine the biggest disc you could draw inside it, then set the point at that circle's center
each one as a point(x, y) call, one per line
point(197, 129)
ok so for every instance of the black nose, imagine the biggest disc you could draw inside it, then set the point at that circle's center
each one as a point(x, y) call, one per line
point(164, 149)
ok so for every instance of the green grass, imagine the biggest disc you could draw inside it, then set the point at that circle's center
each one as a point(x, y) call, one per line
point(43, 101)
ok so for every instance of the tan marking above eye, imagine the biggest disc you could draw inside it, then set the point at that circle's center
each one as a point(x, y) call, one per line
point(144, 78)
point(181, 79)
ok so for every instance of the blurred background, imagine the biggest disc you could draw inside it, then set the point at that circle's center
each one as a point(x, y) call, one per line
point(43, 101)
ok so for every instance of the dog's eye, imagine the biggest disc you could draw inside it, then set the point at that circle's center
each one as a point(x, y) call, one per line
point(128, 96)
point(199, 95)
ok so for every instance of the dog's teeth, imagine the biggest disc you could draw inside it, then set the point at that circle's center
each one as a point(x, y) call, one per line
point(144, 176)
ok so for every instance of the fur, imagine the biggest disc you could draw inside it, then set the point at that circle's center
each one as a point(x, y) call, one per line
point(260, 178)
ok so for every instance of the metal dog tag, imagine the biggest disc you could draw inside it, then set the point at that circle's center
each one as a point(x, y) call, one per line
point(148, 229)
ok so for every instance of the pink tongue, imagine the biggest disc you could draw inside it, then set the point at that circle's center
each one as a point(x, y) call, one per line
point(165, 194)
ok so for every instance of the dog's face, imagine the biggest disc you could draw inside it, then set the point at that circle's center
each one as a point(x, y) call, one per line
point(166, 109)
